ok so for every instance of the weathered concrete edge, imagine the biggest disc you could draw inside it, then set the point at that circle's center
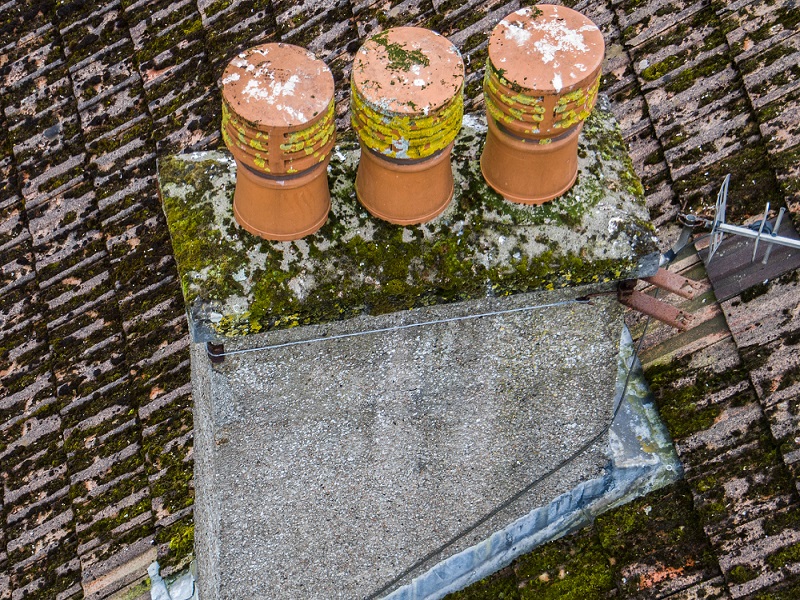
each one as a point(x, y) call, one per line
point(633, 472)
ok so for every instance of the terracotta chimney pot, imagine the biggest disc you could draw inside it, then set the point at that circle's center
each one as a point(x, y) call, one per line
point(541, 82)
point(406, 106)
point(277, 121)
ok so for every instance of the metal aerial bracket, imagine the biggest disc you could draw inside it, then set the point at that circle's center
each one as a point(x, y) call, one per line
point(677, 284)
point(690, 223)
point(628, 295)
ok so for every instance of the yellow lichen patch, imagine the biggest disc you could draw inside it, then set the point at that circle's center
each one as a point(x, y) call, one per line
point(313, 137)
point(522, 101)
point(503, 117)
point(523, 111)
point(576, 106)
point(299, 150)
point(325, 124)
point(230, 119)
point(406, 136)
point(256, 145)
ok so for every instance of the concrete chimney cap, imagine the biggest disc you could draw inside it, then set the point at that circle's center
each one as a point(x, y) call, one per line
point(408, 71)
point(546, 48)
point(277, 85)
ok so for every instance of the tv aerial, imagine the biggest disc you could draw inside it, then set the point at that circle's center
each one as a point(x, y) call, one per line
point(759, 230)
point(678, 284)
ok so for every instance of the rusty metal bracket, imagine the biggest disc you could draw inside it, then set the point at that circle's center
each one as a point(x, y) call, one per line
point(666, 313)
point(677, 284)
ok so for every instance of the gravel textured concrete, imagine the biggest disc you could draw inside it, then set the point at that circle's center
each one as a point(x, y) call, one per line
point(325, 469)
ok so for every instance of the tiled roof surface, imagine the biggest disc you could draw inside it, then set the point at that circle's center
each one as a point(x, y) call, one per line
point(95, 405)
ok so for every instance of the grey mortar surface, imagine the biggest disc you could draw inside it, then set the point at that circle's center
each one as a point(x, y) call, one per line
point(332, 490)
point(326, 469)
point(642, 459)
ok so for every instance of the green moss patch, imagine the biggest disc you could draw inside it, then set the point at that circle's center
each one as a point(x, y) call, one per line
point(761, 477)
point(679, 395)
point(783, 591)
point(571, 568)
point(660, 533)
point(177, 544)
point(742, 574)
point(400, 58)
point(784, 557)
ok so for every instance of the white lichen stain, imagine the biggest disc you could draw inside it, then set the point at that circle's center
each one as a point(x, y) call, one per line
point(400, 147)
point(231, 78)
point(557, 37)
point(294, 114)
point(557, 83)
point(419, 82)
point(516, 32)
point(301, 284)
point(476, 122)
point(273, 90)
point(613, 225)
